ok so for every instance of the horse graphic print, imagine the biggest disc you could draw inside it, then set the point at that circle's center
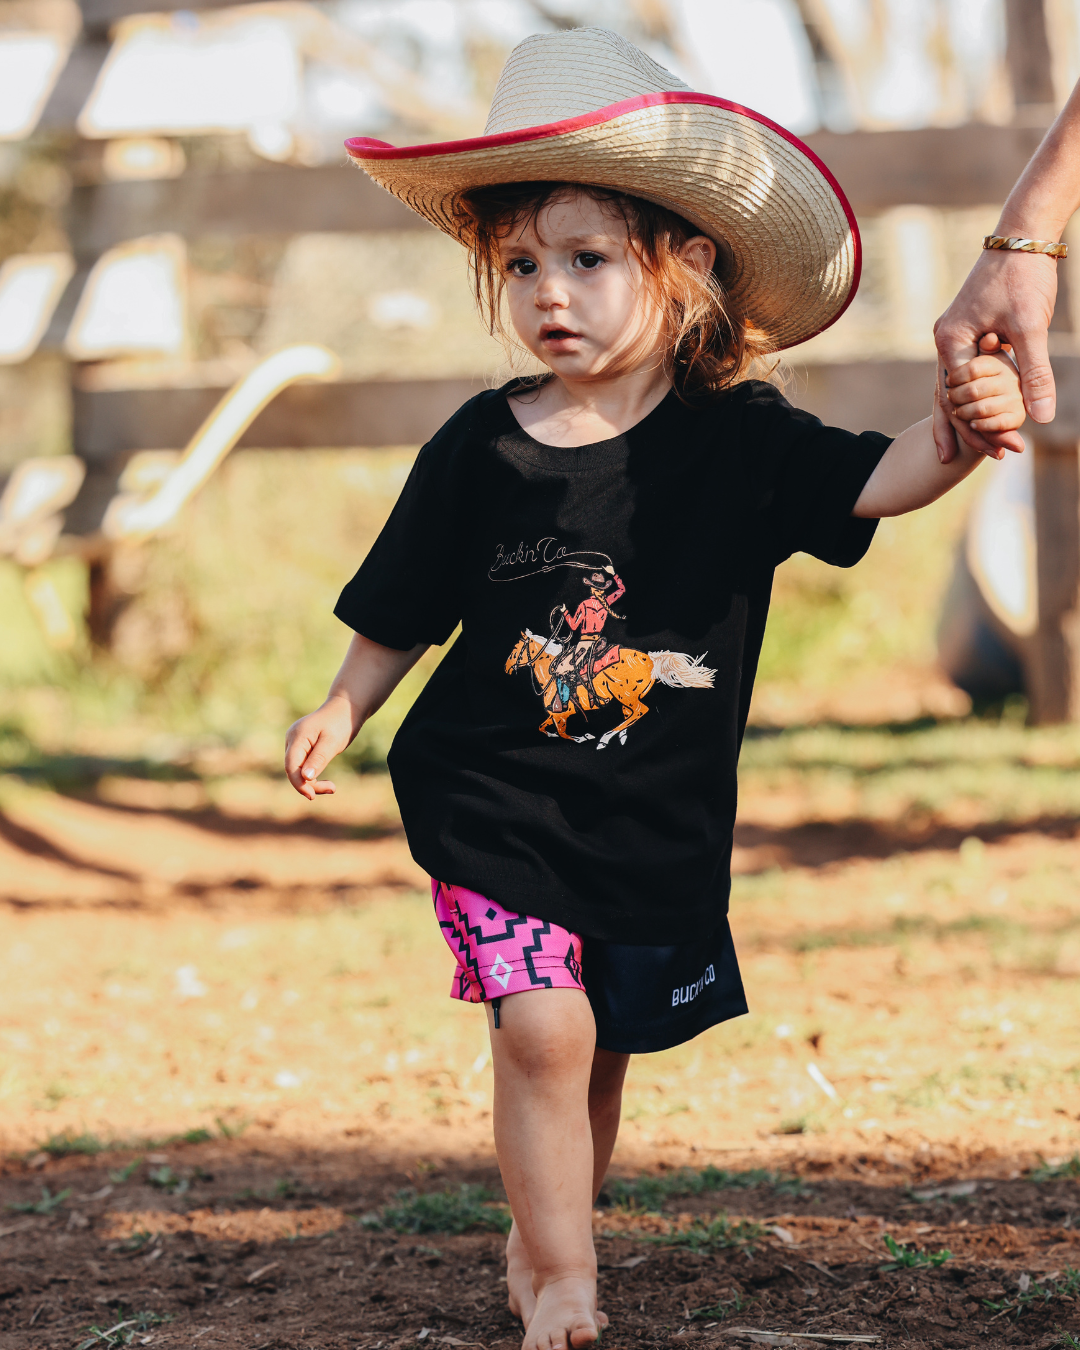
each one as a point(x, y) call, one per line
point(578, 668)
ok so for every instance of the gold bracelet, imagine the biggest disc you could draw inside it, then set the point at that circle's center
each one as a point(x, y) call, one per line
point(1026, 246)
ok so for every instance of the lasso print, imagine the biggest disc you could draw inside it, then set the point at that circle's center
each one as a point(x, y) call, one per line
point(517, 561)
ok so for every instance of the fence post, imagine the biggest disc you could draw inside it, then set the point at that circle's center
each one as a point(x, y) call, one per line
point(1051, 656)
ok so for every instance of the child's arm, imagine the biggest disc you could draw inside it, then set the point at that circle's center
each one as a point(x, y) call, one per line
point(987, 397)
point(367, 677)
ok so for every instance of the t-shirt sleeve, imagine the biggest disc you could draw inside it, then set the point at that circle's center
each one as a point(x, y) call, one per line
point(812, 478)
point(405, 592)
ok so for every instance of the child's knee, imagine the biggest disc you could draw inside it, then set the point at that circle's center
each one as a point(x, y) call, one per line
point(551, 1056)
point(544, 1034)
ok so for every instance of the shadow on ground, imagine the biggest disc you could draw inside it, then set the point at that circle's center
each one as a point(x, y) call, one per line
point(821, 843)
point(271, 1246)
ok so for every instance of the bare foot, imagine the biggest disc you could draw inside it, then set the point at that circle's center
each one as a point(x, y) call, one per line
point(519, 1281)
point(565, 1316)
point(519, 1278)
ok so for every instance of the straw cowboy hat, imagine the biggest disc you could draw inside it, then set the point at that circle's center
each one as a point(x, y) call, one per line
point(586, 106)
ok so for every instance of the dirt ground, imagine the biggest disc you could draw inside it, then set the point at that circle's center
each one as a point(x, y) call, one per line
point(225, 1047)
point(263, 1250)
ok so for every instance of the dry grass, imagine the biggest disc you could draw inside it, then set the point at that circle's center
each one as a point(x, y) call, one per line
point(936, 992)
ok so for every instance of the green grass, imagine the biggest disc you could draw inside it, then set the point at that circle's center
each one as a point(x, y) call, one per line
point(651, 1193)
point(68, 1144)
point(201, 662)
point(230, 1131)
point(200, 1135)
point(910, 1258)
point(1037, 1292)
point(282, 1189)
point(123, 1175)
point(165, 1179)
point(469, 1208)
point(56, 1093)
point(1006, 771)
point(716, 1312)
point(826, 622)
point(48, 1203)
point(712, 1235)
point(1067, 1170)
point(904, 927)
point(131, 1328)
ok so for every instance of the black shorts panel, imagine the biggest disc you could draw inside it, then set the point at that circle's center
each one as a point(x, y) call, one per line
point(652, 998)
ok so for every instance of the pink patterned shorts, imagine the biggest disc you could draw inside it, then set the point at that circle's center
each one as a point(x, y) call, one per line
point(499, 952)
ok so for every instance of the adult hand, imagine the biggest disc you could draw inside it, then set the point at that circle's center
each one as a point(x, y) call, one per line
point(1011, 295)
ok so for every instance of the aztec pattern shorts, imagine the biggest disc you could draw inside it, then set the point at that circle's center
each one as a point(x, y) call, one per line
point(499, 952)
point(643, 998)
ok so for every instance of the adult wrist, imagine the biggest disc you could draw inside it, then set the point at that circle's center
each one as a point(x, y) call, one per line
point(1049, 230)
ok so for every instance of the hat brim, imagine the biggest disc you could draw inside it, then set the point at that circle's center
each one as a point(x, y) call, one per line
point(781, 219)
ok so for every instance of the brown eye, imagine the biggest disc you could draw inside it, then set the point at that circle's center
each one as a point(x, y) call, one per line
point(521, 267)
point(590, 261)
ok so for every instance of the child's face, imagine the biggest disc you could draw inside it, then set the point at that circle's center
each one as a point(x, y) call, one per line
point(577, 296)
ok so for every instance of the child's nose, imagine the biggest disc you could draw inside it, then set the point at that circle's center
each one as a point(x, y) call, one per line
point(550, 294)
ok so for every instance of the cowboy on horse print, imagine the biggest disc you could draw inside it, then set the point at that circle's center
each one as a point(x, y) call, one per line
point(587, 675)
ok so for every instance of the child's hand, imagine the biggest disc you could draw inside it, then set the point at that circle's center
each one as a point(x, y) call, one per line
point(986, 392)
point(312, 743)
point(367, 677)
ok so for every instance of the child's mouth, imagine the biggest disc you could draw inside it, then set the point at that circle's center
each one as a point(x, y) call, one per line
point(558, 335)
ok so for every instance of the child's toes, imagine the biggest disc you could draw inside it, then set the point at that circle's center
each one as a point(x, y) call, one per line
point(564, 1318)
point(581, 1332)
point(554, 1339)
point(584, 1333)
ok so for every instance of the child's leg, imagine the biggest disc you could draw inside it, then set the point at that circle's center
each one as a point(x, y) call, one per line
point(605, 1109)
point(543, 1057)
point(605, 1103)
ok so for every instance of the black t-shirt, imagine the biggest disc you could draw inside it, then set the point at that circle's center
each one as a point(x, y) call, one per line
point(661, 544)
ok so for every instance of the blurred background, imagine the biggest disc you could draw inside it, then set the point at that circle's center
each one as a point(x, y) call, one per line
point(220, 348)
point(175, 207)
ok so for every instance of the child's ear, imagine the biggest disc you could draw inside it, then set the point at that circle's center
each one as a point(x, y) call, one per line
point(700, 253)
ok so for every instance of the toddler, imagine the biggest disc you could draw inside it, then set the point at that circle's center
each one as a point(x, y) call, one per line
point(606, 537)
